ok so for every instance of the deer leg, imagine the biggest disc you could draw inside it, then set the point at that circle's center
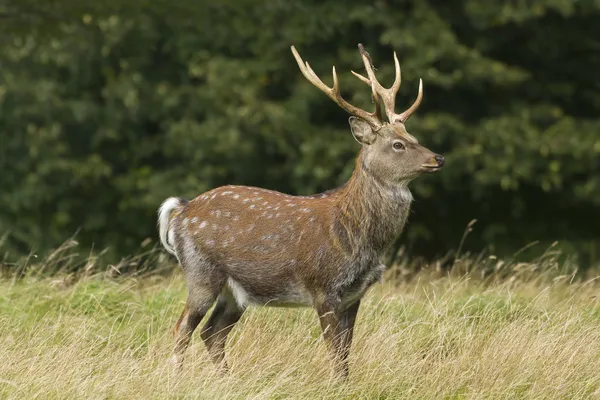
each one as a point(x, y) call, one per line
point(347, 320)
point(222, 320)
point(200, 299)
point(338, 327)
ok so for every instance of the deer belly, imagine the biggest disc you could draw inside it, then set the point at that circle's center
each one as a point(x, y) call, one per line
point(288, 296)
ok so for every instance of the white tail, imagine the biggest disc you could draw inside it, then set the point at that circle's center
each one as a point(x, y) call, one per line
point(164, 214)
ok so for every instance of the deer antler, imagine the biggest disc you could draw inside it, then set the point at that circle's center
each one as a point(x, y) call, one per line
point(373, 119)
point(388, 96)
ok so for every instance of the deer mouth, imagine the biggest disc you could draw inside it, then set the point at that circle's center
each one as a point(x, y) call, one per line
point(430, 168)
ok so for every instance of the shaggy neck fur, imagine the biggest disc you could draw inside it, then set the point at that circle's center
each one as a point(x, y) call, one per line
point(370, 212)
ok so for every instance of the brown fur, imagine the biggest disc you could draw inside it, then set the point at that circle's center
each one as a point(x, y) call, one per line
point(242, 245)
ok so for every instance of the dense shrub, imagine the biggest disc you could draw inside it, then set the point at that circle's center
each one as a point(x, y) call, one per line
point(108, 108)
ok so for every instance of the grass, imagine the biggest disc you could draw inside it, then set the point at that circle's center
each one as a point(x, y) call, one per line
point(432, 335)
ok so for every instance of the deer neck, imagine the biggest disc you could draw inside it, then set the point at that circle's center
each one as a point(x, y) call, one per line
point(371, 213)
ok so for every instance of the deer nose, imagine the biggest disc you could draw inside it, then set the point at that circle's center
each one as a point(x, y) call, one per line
point(440, 160)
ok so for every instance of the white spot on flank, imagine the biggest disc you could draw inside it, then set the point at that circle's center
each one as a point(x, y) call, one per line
point(236, 196)
point(213, 196)
point(236, 217)
point(185, 221)
point(306, 210)
point(209, 243)
point(202, 224)
point(252, 206)
point(250, 227)
point(194, 220)
point(323, 195)
point(291, 205)
point(214, 227)
point(246, 200)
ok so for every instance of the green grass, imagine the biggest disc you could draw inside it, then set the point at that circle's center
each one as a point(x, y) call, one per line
point(433, 336)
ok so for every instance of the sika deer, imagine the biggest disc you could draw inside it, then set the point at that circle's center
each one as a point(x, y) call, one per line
point(242, 246)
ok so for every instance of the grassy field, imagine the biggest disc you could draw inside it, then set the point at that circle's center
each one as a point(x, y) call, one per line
point(428, 336)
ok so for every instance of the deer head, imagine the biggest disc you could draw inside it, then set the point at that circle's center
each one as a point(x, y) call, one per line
point(389, 152)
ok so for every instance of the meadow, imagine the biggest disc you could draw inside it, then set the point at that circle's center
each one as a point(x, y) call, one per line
point(486, 329)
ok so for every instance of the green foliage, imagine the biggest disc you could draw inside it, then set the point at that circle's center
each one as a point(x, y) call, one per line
point(107, 108)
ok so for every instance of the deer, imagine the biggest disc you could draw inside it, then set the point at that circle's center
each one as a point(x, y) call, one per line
point(241, 246)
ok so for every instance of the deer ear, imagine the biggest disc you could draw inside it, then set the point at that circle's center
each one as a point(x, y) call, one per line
point(362, 131)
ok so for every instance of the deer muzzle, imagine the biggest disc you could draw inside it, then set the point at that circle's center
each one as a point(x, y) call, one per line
point(436, 165)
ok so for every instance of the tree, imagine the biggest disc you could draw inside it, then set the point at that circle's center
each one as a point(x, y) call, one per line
point(107, 108)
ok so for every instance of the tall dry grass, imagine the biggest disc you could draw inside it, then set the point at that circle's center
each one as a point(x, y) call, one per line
point(488, 329)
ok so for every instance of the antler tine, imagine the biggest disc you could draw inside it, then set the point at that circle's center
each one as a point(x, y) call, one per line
point(362, 78)
point(406, 114)
point(334, 93)
point(374, 94)
point(388, 95)
point(398, 79)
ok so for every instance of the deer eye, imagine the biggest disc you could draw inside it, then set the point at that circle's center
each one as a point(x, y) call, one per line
point(398, 146)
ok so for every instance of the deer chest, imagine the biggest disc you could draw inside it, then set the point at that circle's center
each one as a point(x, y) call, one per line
point(356, 283)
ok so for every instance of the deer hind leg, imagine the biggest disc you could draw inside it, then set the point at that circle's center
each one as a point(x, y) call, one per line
point(222, 320)
point(338, 329)
point(201, 296)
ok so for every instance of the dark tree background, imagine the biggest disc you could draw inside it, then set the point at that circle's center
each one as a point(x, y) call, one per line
point(109, 107)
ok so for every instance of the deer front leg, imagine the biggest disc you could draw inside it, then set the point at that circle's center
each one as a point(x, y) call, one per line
point(338, 329)
point(348, 318)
